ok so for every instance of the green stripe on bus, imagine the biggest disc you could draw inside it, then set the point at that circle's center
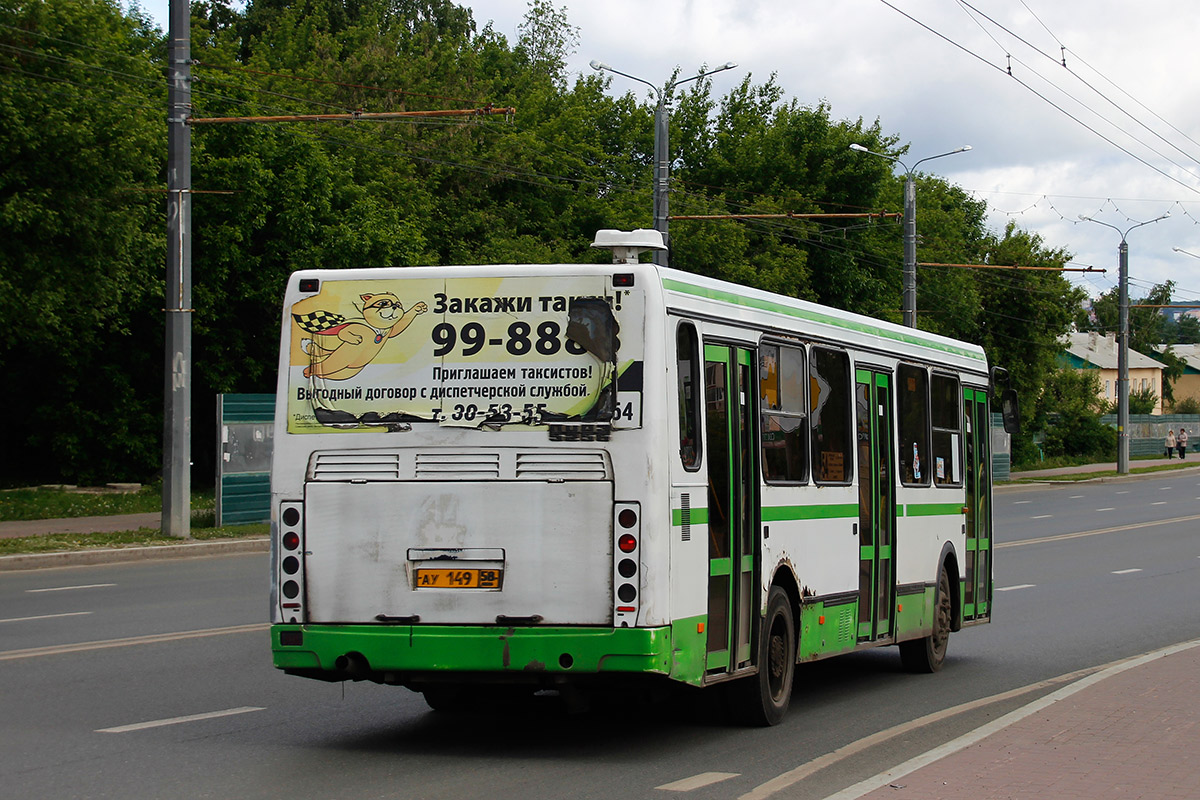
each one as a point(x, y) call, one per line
point(782, 513)
point(815, 316)
point(699, 516)
point(933, 509)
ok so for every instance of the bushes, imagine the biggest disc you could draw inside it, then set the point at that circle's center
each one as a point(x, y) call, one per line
point(1067, 416)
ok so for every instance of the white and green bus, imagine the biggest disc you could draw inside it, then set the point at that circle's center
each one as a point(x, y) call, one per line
point(556, 476)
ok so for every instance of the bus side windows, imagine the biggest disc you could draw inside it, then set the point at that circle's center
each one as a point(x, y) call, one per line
point(947, 430)
point(831, 407)
point(782, 375)
point(913, 390)
point(687, 345)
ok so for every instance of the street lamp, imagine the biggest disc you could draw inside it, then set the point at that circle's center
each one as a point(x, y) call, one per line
point(909, 303)
point(1123, 344)
point(661, 149)
point(1185, 252)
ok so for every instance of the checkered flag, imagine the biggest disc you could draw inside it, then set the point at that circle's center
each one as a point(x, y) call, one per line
point(318, 321)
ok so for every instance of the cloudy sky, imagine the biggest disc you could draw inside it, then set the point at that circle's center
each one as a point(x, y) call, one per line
point(1112, 135)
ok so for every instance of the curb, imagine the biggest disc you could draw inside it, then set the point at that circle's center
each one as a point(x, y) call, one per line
point(80, 558)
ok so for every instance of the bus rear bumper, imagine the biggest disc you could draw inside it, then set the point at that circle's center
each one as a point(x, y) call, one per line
point(401, 653)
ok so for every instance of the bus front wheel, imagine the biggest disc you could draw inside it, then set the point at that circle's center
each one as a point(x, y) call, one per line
point(763, 699)
point(928, 654)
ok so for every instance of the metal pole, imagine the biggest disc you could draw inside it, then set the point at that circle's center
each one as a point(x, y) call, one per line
point(177, 401)
point(1123, 364)
point(909, 305)
point(662, 169)
point(1123, 340)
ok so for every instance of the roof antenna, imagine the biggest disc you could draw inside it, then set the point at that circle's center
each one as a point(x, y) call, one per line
point(627, 245)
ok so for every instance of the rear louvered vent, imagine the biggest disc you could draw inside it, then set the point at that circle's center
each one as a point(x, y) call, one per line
point(685, 517)
point(567, 466)
point(505, 464)
point(356, 465)
point(458, 466)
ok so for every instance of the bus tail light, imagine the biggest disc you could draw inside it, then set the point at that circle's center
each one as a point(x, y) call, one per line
point(627, 530)
point(289, 563)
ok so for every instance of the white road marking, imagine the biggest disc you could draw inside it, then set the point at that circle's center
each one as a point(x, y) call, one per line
point(1074, 497)
point(1021, 502)
point(158, 723)
point(1137, 526)
point(1014, 588)
point(1106, 509)
point(69, 588)
point(1123, 491)
point(1164, 488)
point(966, 740)
point(1125, 571)
point(79, 647)
point(697, 781)
point(794, 776)
point(1159, 503)
point(1042, 516)
point(46, 616)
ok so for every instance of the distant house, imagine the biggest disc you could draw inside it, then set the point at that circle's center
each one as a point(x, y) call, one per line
point(1187, 384)
point(1093, 351)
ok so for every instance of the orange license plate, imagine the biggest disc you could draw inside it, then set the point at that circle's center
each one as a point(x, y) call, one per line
point(469, 578)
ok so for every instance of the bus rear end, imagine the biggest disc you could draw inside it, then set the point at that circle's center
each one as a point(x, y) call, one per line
point(446, 507)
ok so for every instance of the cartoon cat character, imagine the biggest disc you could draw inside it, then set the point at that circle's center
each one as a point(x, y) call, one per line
point(341, 347)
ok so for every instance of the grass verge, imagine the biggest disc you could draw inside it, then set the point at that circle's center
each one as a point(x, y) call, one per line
point(61, 503)
point(1089, 476)
point(143, 537)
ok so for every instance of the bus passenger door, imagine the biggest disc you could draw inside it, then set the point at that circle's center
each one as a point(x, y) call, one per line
point(876, 505)
point(977, 583)
point(732, 506)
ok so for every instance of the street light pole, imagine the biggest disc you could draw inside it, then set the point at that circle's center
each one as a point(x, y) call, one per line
point(1123, 343)
point(662, 155)
point(177, 402)
point(909, 300)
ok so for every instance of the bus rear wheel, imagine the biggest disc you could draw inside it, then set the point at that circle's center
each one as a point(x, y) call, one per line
point(928, 654)
point(763, 699)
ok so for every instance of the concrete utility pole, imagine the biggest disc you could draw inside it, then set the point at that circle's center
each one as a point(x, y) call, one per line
point(1123, 341)
point(909, 302)
point(662, 152)
point(177, 403)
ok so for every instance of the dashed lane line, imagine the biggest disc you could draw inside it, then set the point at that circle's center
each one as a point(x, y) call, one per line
point(59, 649)
point(69, 588)
point(47, 616)
point(1098, 532)
point(158, 723)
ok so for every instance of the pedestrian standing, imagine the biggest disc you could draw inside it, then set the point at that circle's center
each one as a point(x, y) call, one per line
point(1181, 442)
point(1170, 443)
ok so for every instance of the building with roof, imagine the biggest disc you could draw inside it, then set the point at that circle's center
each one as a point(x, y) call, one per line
point(1091, 350)
point(1187, 384)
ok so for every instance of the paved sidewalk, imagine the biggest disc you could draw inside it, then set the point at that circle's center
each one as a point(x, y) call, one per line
point(1129, 731)
point(1194, 461)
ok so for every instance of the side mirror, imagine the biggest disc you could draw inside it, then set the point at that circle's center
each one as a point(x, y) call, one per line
point(1010, 412)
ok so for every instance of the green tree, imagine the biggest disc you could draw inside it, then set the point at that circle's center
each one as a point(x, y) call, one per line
point(1143, 401)
point(81, 219)
point(1068, 412)
point(1023, 313)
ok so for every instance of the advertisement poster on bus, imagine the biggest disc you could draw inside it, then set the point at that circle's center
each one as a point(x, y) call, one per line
point(475, 352)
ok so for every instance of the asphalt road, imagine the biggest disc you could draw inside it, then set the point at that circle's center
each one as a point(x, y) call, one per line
point(103, 671)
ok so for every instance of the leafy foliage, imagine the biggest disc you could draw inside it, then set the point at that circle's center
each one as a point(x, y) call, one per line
point(1068, 412)
point(82, 134)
